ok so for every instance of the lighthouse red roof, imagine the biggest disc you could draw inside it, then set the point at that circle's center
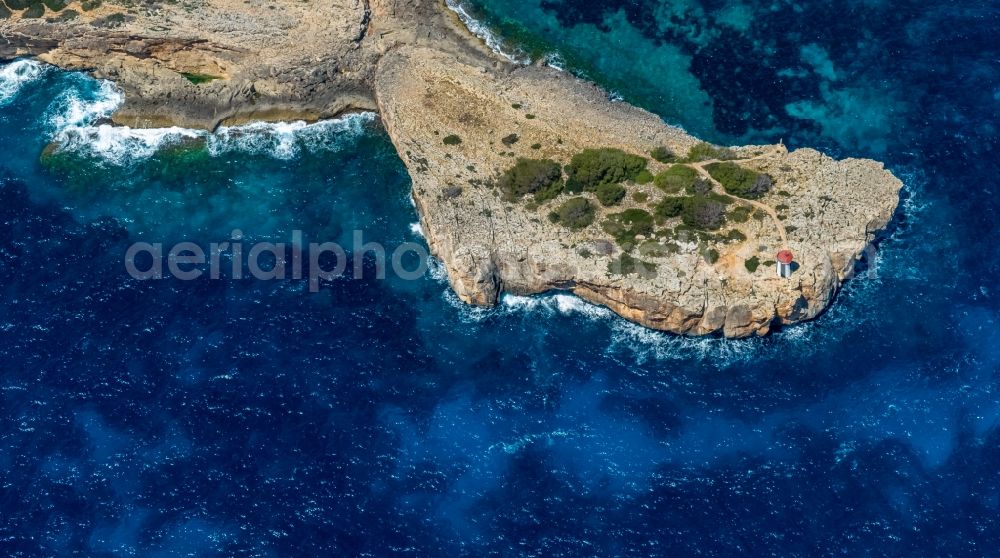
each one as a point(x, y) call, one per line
point(785, 256)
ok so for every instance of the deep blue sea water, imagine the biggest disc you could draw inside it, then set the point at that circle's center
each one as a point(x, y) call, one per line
point(383, 417)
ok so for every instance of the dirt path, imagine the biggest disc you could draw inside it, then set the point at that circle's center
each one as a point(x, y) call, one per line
point(717, 188)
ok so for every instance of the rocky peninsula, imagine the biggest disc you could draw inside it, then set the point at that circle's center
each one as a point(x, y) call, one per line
point(526, 178)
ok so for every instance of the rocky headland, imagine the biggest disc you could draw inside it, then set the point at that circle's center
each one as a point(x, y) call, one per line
point(526, 179)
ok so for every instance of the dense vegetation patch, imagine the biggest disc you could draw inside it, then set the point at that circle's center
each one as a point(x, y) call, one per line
point(668, 208)
point(644, 177)
point(752, 264)
point(54, 5)
point(734, 235)
point(451, 139)
point(88, 5)
point(628, 265)
point(510, 140)
point(34, 11)
point(542, 177)
point(676, 179)
point(574, 213)
point(740, 214)
point(4, 12)
point(610, 194)
point(663, 155)
point(738, 181)
point(592, 167)
point(703, 212)
point(627, 225)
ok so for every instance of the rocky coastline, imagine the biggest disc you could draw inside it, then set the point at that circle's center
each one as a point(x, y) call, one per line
point(462, 117)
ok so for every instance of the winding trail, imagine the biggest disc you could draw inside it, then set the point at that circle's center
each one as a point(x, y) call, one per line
point(718, 189)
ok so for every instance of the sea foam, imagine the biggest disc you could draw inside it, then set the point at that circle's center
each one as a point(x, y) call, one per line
point(16, 75)
point(286, 140)
point(75, 121)
point(482, 31)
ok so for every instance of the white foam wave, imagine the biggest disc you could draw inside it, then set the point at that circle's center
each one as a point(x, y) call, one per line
point(73, 111)
point(121, 145)
point(556, 62)
point(480, 30)
point(417, 230)
point(564, 304)
point(16, 75)
point(286, 140)
point(74, 119)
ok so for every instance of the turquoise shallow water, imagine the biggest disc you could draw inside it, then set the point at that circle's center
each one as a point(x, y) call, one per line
point(386, 418)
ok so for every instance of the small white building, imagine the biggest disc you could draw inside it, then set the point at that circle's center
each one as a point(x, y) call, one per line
point(785, 259)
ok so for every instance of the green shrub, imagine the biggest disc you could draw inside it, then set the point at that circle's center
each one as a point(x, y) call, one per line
point(18, 5)
point(644, 177)
point(516, 106)
point(739, 181)
point(531, 176)
point(549, 193)
point(199, 79)
point(452, 140)
point(610, 194)
point(593, 167)
point(706, 152)
point(88, 5)
point(676, 179)
point(770, 263)
point(752, 264)
point(711, 255)
point(735, 236)
point(663, 155)
point(704, 213)
point(640, 197)
point(625, 226)
point(576, 213)
point(536, 146)
point(68, 15)
point(740, 214)
point(628, 265)
point(510, 140)
point(33, 11)
point(529, 116)
point(699, 188)
point(669, 208)
point(54, 5)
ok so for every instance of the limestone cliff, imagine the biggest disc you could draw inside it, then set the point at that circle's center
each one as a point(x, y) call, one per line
point(226, 61)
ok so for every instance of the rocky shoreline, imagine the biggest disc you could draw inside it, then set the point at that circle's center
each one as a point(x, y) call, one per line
point(461, 117)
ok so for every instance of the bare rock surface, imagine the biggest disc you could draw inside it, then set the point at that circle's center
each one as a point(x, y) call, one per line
point(430, 79)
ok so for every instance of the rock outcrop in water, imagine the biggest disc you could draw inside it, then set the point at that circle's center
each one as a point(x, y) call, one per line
point(460, 117)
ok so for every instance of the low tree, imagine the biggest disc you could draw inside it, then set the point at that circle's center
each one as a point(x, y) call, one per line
point(531, 176)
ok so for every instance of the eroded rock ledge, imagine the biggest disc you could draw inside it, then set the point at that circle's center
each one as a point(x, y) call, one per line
point(225, 61)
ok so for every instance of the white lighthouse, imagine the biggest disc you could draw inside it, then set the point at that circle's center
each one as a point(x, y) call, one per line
point(785, 259)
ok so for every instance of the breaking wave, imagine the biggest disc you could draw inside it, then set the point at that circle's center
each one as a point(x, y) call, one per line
point(76, 122)
point(16, 75)
point(482, 31)
point(286, 140)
